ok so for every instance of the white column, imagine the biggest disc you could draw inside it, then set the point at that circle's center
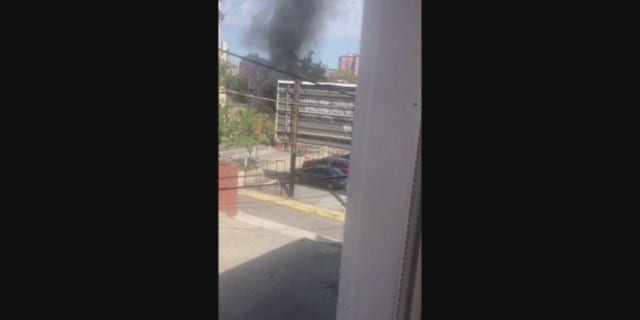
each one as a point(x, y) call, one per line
point(383, 158)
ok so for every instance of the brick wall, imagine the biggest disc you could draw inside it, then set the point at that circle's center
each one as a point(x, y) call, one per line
point(228, 178)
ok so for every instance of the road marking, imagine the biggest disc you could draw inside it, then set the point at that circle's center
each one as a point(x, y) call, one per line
point(289, 230)
point(331, 214)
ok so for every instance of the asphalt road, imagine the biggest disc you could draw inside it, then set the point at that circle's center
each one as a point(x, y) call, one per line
point(314, 195)
point(318, 196)
point(291, 217)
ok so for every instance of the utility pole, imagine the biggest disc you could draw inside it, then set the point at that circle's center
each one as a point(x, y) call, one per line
point(294, 137)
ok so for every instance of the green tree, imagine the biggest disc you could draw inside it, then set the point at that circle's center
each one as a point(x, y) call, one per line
point(229, 81)
point(249, 128)
point(312, 70)
point(224, 71)
point(223, 121)
point(238, 84)
point(342, 76)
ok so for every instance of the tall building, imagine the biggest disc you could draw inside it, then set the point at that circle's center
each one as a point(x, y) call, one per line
point(350, 62)
point(222, 96)
point(221, 45)
point(220, 18)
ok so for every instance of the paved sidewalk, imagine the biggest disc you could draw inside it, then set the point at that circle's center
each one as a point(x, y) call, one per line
point(266, 274)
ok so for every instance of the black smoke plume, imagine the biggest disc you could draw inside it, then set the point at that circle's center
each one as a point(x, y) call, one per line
point(284, 28)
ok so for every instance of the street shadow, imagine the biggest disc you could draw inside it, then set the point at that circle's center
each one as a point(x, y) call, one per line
point(337, 197)
point(296, 281)
point(284, 189)
point(341, 191)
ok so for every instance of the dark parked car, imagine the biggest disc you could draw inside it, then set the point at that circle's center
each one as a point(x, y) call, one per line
point(324, 176)
point(339, 163)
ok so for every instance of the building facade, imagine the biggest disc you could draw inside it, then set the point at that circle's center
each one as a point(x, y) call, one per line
point(325, 116)
point(350, 62)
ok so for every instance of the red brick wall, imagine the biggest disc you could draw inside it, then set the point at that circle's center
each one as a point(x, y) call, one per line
point(228, 178)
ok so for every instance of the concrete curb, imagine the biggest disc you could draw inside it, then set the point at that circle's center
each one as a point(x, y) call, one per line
point(327, 213)
point(284, 229)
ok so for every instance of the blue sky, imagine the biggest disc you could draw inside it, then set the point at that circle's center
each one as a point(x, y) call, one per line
point(340, 34)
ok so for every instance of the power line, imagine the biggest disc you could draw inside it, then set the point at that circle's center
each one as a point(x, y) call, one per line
point(279, 183)
point(297, 198)
point(282, 173)
point(306, 104)
point(281, 229)
point(256, 175)
point(253, 186)
point(281, 178)
point(231, 205)
point(247, 95)
point(292, 102)
point(259, 205)
point(248, 176)
point(301, 104)
point(335, 88)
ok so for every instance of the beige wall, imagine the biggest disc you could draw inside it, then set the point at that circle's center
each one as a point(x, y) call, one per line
point(383, 157)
